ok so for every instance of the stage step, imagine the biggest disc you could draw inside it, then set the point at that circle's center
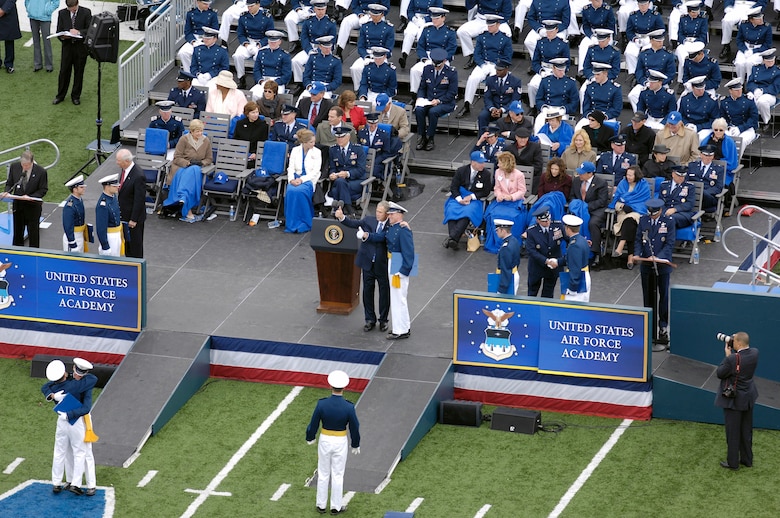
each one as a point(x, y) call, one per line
point(157, 377)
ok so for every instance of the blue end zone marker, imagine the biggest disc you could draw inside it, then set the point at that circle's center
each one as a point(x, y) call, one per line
point(34, 499)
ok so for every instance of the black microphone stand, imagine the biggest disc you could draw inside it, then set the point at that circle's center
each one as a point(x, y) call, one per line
point(653, 288)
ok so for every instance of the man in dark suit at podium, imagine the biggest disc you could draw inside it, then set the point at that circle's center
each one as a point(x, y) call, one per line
point(26, 178)
point(372, 259)
point(737, 370)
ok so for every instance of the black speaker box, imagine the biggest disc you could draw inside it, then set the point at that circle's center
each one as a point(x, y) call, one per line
point(103, 38)
point(464, 413)
point(516, 420)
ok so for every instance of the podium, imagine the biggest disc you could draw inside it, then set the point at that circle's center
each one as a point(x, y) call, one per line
point(335, 247)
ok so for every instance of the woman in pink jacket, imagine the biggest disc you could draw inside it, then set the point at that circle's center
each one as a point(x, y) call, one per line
point(509, 188)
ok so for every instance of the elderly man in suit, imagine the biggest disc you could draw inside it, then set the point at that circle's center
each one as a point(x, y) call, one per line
point(75, 20)
point(372, 259)
point(595, 193)
point(391, 113)
point(527, 153)
point(315, 107)
point(470, 184)
point(347, 169)
point(28, 180)
point(132, 202)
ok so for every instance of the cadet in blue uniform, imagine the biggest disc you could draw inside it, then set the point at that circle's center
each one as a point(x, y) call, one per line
point(336, 414)
point(712, 175)
point(602, 52)
point(501, 90)
point(347, 169)
point(209, 59)
point(508, 258)
point(483, 11)
point(764, 85)
point(542, 10)
point(197, 18)
point(740, 112)
point(616, 161)
point(543, 243)
point(492, 46)
point(655, 237)
point(550, 47)
point(166, 121)
point(700, 64)
point(753, 38)
point(285, 130)
point(376, 33)
point(655, 100)
point(417, 13)
point(440, 87)
point(601, 94)
point(399, 241)
point(692, 27)
point(271, 63)
point(252, 26)
point(558, 89)
point(640, 24)
point(323, 66)
point(315, 27)
point(490, 144)
point(679, 197)
point(359, 15)
point(435, 35)
point(374, 137)
point(75, 238)
point(379, 77)
point(108, 225)
point(655, 57)
point(186, 96)
point(595, 15)
point(576, 261)
point(699, 108)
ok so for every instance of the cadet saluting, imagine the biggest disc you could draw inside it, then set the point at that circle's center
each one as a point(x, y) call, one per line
point(335, 413)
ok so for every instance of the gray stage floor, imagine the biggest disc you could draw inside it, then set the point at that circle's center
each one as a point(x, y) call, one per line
point(226, 278)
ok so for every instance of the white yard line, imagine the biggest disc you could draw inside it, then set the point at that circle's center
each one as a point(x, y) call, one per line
point(147, 478)
point(280, 492)
point(414, 505)
point(590, 468)
point(347, 497)
point(242, 451)
point(12, 466)
point(483, 511)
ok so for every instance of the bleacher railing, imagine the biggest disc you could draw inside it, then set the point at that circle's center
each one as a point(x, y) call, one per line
point(28, 146)
point(147, 60)
point(771, 240)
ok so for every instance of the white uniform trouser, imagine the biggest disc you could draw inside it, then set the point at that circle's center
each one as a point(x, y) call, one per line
point(633, 96)
point(744, 63)
point(114, 250)
point(585, 44)
point(79, 243)
point(471, 29)
point(415, 74)
point(731, 17)
point(331, 463)
point(78, 447)
point(521, 11)
point(632, 52)
point(348, 24)
point(576, 6)
point(244, 52)
point(516, 280)
point(585, 295)
point(295, 17)
point(533, 37)
point(356, 70)
point(626, 8)
point(399, 307)
point(764, 103)
point(185, 53)
point(477, 75)
point(412, 32)
point(748, 136)
point(299, 64)
point(674, 21)
point(203, 79)
point(229, 17)
point(62, 460)
point(257, 90)
point(533, 85)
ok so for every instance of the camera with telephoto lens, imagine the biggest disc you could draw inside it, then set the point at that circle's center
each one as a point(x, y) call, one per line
point(727, 339)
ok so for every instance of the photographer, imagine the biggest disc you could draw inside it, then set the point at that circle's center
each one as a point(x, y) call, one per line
point(736, 397)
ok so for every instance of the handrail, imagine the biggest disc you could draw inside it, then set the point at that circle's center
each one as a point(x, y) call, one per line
point(27, 145)
point(756, 269)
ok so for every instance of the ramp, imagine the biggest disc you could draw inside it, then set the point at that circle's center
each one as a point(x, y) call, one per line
point(398, 407)
point(685, 389)
point(159, 374)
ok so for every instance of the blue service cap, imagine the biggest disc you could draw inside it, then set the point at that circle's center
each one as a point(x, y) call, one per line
point(492, 130)
point(654, 205)
point(185, 76)
point(439, 55)
point(586, 167)
point(502, 63)
point(340, 131)
point(220, 178)
point(478, 156)
point(680, 169)
point(707, 149)
point(542, 212)
point(288, 109)
point(619, 140)
point(372, 117)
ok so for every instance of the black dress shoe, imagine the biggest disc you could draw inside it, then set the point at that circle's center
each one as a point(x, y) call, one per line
point(516, 35)
point(746, 464)
point(56, 489)
point(724, 464)
point(56, 100)
point(446, 243)
point(295, 47)
point(471, 63)
point(37, 69)
point(465, 110)
point(394, 336)
point(49, 70)
point(402, 60)
point(725, 53)
point(369, 326)
point(453, 244)
point(322, 510)
point(402, 25)
point(242, 83)
point(76, 490)
point(383, 326)
point(76, 101)
point(91, 491)
point(429, 144)
point(595, 264)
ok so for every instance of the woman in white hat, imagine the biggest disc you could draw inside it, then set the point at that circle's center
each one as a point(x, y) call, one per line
point(226, 97)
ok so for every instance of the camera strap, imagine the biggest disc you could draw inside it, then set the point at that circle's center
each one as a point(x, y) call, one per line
point(736, 376)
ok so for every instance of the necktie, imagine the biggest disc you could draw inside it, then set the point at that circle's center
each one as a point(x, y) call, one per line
point(313, 114)
point(344, 154)
point(379, 227)
point(122, 178)
point(25, 179)
point(584, 189)
point(614, 159)
point(73, 20)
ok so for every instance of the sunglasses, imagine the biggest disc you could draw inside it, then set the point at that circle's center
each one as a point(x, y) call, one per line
point(717, 129)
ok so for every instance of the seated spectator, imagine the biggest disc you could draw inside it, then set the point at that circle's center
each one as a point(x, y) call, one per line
point(725, 147)
point(303, 172)
point(639, 138)
point(616, 161)
point(501, 90)
point(378, 77)
point(555, 178)
point(594, 191)
point(579, 151)
point(435, 98)
point(679, 197)
point(509, 188)
point(374, 137)
point(352, 114)
point(555, 132)
point(225, 97)
point(741, 114)
point(490, 144)
point(470, 184)
point(515, 118)
point(710, 174)
point(185, 179)
point(658, 166)
point(271, 62)
point(527, 153)
point(391, 113)
point(629, 200)
point(184, 95)
point(166, 121)
point(209, 59)
point(347, 170)
point(253, 129)
point(314, 107)
point(269, 104)
point(194, 148)
point(681, 141)
point(326, 133)
point(252, 26)
point(287, 129)
point(599, 133)
point(195, 21)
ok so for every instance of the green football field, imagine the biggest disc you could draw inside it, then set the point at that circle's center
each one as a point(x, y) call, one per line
point(237, 449)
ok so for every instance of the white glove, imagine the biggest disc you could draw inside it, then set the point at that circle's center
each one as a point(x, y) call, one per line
point(356, 451)
point(691, 127)
point(758, 92)
point(63, 416)
point(733, 131)
point(310, 442)
point(360, 233)
point(58, 396)
point(750, 95)
point(542, 32)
